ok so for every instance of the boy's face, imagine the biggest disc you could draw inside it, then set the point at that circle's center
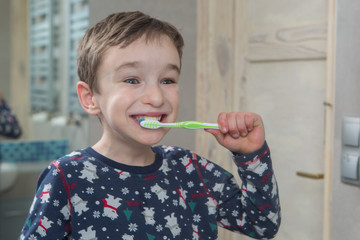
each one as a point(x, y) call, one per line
point(137, 81)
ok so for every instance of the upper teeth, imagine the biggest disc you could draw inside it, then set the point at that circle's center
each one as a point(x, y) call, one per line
point(146, 118)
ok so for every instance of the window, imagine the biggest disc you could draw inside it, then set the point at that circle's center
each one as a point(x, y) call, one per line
point(55, 28)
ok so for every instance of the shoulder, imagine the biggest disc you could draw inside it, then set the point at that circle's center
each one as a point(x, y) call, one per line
point(74, 158)
point(69, 161)
point(66, 167)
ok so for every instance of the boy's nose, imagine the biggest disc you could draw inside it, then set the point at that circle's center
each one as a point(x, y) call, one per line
point(153, 95)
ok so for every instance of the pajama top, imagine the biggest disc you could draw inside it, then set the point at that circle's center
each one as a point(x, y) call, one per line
point(85, 195)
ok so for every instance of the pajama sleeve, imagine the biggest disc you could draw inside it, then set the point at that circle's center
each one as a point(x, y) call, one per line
point(49, 215)
point(252, 209)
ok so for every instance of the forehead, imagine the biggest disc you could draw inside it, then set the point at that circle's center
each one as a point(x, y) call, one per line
point(154, 52)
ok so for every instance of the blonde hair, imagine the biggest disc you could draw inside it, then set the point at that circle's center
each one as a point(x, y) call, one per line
point(119, 29)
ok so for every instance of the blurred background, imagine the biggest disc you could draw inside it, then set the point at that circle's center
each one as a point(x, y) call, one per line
point(296, 63)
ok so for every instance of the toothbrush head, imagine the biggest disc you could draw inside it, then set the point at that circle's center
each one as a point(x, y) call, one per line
point(150, 124)
point(146, 118)
point(141, 119)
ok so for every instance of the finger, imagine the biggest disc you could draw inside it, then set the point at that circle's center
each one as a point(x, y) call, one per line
point(253, 120)
point(223, 124)
point(233, 125)
point(241, 125)
point(217, 134)
point(214, 132)
point(249, 121)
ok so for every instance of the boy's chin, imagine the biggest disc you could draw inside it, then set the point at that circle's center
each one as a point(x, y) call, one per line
point(151, 143)
point(152, 140)
point(151, 137)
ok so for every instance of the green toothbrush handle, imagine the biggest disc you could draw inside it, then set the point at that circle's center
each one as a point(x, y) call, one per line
point(198, 125)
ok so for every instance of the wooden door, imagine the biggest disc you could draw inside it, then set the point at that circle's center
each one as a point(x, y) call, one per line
point(269, 57)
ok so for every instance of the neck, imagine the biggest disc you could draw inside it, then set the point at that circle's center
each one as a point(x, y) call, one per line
point(136, 155)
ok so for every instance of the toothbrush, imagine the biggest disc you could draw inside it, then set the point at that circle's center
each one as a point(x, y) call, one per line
point(153, 124)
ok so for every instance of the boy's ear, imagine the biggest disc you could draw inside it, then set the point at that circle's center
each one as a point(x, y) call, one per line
point(87, 99)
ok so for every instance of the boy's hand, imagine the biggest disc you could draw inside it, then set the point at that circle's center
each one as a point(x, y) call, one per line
point(239, 132)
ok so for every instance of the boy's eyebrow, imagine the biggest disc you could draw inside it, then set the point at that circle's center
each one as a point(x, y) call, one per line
point(126, 65)
point(173, 67)
point(136, 64)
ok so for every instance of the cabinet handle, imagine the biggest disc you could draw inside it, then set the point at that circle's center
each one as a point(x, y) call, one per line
point(310, 175)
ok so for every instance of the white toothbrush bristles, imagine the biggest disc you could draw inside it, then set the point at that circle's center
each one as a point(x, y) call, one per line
point(150, 124)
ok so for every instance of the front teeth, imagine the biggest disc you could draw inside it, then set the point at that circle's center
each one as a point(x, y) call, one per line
point(147, 118)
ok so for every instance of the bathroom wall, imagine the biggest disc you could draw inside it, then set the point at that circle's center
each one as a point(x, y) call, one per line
point(346, 198)
point(183, 15)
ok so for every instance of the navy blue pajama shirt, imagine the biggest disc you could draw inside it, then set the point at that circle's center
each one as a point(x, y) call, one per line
point(85, 195)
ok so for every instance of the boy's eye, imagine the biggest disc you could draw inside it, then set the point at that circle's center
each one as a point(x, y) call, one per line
point(132, 81)
point(167, 81)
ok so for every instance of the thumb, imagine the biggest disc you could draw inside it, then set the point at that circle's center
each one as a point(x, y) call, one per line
point(216, 133)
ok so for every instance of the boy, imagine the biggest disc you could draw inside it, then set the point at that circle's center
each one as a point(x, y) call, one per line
point(122, 187)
